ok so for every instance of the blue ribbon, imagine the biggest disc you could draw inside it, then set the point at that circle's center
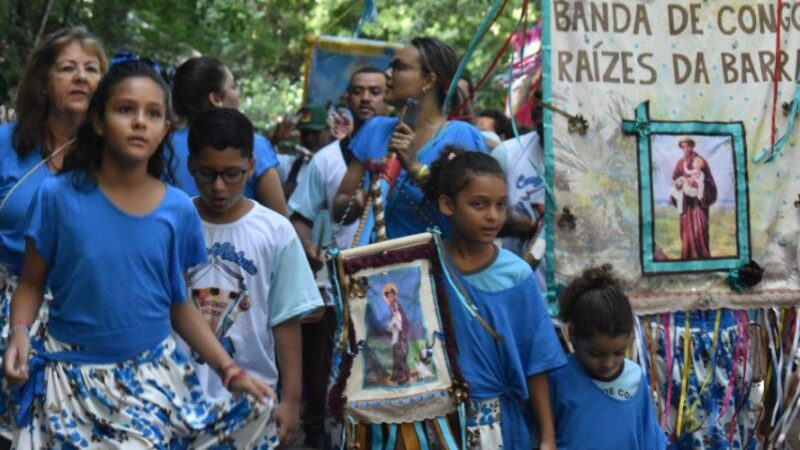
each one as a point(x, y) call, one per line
point(370, 14)
point(471, 310)
point(392, 440)
point(127, 56)
point(423, 440)
point(487, 22)
point(768, 154)
point(33, 387)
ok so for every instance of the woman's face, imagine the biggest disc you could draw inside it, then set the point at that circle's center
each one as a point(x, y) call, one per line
point(406, 77)
point(230, 91)
point(73, 79)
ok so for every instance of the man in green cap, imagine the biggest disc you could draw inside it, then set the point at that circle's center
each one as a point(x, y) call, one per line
point(314, 134)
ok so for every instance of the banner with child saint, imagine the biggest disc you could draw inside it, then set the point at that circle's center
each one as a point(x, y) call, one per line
point(671, 151)
point(397, 374)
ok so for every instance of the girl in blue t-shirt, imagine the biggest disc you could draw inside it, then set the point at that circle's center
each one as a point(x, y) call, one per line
point(504, 363)
point(601, 399)
point(113, 242)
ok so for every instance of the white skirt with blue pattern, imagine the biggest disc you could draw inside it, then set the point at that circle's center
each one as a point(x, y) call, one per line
point(153, 401)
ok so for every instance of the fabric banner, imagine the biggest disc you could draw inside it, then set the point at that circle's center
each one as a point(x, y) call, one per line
point(659, 149)
point(331, 60)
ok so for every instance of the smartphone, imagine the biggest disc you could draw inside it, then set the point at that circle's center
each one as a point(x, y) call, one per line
point(410, 113)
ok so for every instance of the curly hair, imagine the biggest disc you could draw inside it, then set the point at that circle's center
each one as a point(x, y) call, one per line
point(595, 303)
point(450, 173)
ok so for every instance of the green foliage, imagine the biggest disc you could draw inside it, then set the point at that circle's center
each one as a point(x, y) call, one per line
point(263, 42)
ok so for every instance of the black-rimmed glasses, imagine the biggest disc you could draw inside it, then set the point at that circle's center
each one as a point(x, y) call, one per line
point(208, 176)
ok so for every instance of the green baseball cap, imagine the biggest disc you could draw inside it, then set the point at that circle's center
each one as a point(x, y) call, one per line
point(312, 117)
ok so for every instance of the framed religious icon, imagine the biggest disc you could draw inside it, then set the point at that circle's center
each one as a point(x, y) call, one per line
point(693, 194)
point(397, 354)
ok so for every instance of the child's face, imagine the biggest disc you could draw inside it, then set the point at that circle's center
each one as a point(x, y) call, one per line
point(602, 356)
point(135, 120)
point(221, 177)
point(479, 210)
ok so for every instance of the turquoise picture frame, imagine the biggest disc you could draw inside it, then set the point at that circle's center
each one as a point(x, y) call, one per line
point(733, 152)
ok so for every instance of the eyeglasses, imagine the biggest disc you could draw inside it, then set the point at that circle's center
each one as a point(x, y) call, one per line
point(397, 65)
point(229, 176)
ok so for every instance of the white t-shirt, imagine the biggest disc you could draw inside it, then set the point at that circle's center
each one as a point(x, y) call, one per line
point(256, 278)
point(522, 161)
point(317, 187)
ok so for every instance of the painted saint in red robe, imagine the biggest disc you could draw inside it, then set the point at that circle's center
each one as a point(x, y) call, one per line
point(693, 191)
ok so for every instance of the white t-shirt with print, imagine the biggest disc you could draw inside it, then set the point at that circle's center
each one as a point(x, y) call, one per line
point(522, 160)
point(256, 278)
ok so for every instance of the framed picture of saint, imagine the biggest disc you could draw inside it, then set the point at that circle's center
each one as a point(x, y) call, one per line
point(693, 194)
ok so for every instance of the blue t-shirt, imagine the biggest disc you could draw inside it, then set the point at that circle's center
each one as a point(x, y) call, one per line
point(508, 298)
point(13, 217)
point(405, 211)
point(113, 275)
point(262, 152)
point(587, 418)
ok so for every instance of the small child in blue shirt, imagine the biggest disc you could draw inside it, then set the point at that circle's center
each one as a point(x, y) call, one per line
point(600, 399)
point(114, 242)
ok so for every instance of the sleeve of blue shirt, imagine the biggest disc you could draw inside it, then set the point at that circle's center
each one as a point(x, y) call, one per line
point(42, 218)
point(539, 347)
point(372, 140)
point(193, 242)
point(264, 154)
point(309, 196)
point(294, 291)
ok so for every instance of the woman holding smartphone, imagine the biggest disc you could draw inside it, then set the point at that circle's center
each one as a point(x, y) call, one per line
point(421, 72)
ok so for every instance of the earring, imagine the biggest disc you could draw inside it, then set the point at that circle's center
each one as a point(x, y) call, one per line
point(425, 90)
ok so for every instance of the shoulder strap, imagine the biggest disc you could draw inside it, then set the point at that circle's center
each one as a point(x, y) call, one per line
point(31, 171)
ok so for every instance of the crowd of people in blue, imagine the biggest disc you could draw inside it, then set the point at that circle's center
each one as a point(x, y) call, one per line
point(160, 289)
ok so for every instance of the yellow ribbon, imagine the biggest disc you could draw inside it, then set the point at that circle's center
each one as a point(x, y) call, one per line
point(710, 373)
point(686, 366)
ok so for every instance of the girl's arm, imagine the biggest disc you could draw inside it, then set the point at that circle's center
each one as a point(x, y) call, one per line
point(347, 199)
point(270, 193)
point(192, 327)
point(539, 394)
point(288, 348)
point(25, 306)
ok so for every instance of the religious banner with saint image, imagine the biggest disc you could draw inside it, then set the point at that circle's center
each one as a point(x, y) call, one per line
point(397, 376)
point(671, 151)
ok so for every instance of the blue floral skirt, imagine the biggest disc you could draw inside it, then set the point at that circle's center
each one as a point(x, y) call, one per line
point(152, 401)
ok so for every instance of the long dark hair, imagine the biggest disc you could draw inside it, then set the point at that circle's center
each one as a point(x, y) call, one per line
point(193, 81)
point(90, 147)
point(32, 104)
point(595, 303)
point(438, 58)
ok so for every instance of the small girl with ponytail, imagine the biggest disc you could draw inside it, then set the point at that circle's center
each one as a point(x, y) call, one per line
point(600, 398)
point(505, 368)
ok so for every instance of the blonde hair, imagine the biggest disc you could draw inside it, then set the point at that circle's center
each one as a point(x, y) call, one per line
point(389, 287)
point(32, 104)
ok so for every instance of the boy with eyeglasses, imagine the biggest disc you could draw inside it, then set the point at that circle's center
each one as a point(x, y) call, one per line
point(256, 285)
